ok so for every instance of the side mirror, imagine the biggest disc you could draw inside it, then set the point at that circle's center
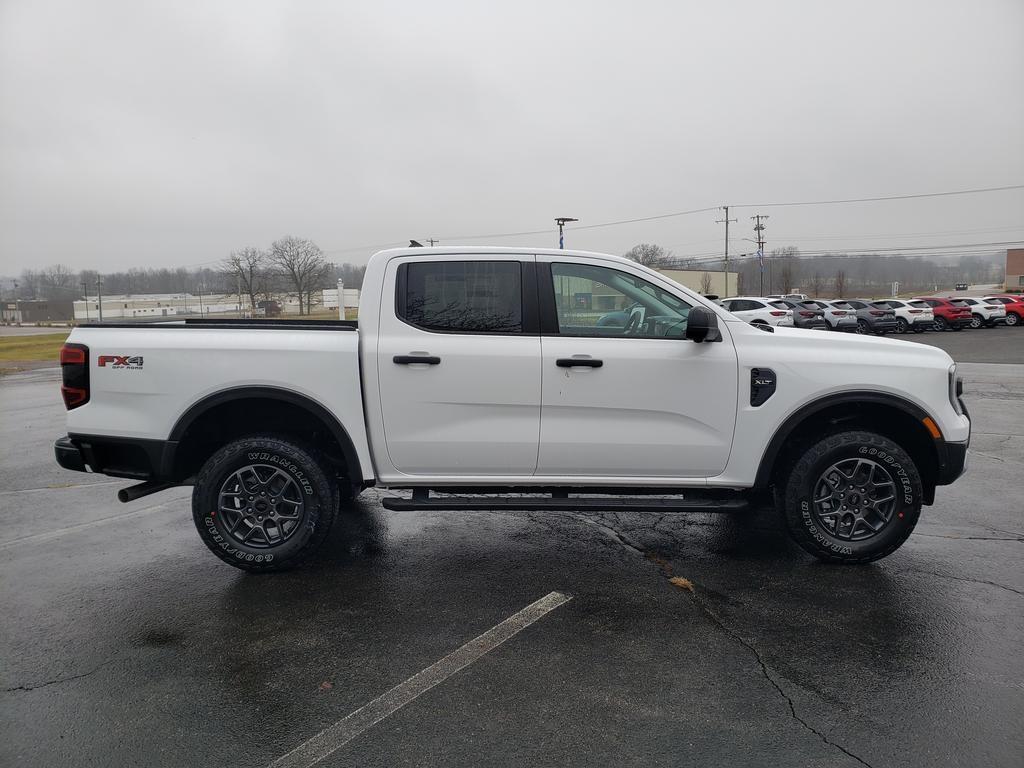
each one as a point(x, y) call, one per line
point(702, 325)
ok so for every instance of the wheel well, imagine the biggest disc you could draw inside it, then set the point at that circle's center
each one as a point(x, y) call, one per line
point(892, 421)
point(219, 423)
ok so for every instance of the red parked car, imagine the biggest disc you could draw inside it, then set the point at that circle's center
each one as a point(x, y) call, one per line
point(947, 314)
point(1014, 304)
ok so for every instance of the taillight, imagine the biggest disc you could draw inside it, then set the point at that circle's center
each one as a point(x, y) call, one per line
point(778, 314)
point(74, 367)
point(916, 311)
point(806, 314)
point(991, 307)
point(839, 312)
point(877, 312)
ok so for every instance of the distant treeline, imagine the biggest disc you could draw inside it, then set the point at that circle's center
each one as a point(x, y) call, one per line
point(291, 266)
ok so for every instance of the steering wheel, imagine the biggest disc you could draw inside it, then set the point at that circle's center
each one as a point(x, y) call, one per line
point(636, 318)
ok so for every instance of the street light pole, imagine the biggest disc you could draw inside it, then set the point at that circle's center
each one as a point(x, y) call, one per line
point(561, 222)
point(85, 291)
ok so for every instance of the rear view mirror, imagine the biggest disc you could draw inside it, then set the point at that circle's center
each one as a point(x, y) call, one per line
point(702, 325)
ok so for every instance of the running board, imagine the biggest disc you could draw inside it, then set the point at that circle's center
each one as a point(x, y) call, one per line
point(421, 500)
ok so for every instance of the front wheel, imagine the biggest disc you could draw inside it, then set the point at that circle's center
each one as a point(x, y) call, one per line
point(263, 503)
point(852, 497)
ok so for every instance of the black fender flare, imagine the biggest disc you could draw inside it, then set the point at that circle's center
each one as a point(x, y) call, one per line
point(795, 419)
point(315, 409)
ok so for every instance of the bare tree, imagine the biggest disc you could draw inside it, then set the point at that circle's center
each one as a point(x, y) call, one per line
point(786, 275)
point(839, 284)
point(56, 282)
point(247, 266)
point(301, 263)
point(816, 285)
point(705, 283)
point(648, 254)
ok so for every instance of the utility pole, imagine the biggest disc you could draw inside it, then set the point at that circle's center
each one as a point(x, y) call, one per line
point(99, 296)
point(561, 221)
point(726, 220)
point(238, 278)
point(759, 231)
point(432, 241)
point(85, 290)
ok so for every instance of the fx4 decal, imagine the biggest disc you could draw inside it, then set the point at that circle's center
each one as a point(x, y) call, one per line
point(121, 362)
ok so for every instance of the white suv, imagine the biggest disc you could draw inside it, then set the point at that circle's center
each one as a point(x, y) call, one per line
point(759, 311)
point(983, 312)
point(911, 315)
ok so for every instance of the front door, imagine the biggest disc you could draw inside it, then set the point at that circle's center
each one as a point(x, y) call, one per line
point(624, 393)
point(472, 406)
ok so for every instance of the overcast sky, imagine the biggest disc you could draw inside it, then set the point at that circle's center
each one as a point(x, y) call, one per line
point(165, 134)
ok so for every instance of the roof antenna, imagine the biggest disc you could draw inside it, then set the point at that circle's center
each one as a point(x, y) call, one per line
point(415, 244)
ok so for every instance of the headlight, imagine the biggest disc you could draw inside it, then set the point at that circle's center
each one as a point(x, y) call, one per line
point(956, 388)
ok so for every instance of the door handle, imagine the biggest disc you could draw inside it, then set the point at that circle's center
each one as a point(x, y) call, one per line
point(416, 360)
point(582, 362)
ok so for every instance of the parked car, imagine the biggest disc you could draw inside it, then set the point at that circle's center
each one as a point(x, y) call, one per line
point(983, 312)
point(911, 315)
point(1014, 307)
point(872, 319)
point(277, 424)
point(806, 314)
point(759, 311)
point(839, 316)
point(948, 316)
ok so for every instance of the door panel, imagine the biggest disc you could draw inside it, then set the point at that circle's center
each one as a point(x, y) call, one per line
point(656, 407)
point(477, 410)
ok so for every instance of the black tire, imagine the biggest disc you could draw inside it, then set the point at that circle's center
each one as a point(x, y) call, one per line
point(902, 326)
point(1012, 318)
point(976, 321)
point(875, 527)
point(863, 327)
point(941, 324)
point(280, 475)
point(919, 330)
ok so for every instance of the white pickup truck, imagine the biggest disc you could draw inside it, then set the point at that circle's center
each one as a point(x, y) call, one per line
point(499, 378)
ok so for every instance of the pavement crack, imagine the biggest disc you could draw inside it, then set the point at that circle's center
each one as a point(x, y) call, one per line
point(964, 578)
point(968, 538)
point(58, 680)
point(666, 570)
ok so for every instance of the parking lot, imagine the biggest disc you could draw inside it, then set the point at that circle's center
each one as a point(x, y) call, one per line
point(125, 642)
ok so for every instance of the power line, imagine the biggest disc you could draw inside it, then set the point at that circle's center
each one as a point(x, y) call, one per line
point(880, 199)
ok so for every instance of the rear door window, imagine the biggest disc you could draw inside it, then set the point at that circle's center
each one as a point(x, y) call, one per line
point(462, 296)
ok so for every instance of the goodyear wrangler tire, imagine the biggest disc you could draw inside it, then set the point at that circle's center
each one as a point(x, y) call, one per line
point(853, 497)
point(263, 503)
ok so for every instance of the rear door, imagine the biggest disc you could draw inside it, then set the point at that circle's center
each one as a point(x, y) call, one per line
point(472, 406)
point(632, 398)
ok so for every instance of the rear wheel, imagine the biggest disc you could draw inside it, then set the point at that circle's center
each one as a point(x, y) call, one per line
point(263, 503)
point(941, 324)
point(902, 325)
point(863, 327)
point(1012, 318)
point(852, 497)
point(976, 321)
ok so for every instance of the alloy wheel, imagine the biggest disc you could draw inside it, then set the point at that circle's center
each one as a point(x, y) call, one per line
point(260, 506)
point(854, 499)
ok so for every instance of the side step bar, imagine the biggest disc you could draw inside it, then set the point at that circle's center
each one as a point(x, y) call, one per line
point(421, 500)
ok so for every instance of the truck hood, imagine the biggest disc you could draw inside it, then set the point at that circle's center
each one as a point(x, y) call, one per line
point(823, 346)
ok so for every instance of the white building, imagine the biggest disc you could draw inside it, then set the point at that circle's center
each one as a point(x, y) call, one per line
point(154, 306)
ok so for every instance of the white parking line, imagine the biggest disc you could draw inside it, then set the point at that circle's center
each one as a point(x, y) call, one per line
point(367, 716)
point(36, 537)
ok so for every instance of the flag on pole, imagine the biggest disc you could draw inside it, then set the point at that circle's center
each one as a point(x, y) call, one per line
point(760, 258)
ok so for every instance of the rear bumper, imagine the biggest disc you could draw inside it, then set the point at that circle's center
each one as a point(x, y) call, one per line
point(68, 455)
point(927, 323)
point(137, 459)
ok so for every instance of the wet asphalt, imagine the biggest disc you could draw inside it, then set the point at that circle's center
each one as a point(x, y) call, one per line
point(125, 642)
